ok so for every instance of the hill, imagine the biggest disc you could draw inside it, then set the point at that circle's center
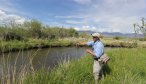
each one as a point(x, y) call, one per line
point(112, 34)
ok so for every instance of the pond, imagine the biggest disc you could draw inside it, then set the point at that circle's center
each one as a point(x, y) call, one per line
point(47, 57)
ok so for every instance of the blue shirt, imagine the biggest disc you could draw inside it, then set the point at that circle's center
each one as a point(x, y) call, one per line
point(97, 47)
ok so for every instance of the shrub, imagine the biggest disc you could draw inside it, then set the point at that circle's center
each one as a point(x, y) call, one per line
point(117, 37)
point(142, 39)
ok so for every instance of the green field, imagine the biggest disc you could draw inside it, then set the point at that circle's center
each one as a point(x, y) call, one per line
point(127, 66)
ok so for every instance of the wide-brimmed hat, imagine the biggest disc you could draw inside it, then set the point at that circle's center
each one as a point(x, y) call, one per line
point(96, 35)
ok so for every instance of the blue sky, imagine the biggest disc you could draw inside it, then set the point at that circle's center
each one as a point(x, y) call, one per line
point(95, 15)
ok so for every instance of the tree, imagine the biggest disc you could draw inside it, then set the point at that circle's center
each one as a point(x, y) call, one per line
point(35, 29)
point(73, 32)
point(141, 28)
point(1, 32)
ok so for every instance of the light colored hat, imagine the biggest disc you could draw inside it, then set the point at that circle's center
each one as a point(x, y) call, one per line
point(96, 35)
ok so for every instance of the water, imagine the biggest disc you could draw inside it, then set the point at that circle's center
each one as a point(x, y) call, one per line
point(48, 57)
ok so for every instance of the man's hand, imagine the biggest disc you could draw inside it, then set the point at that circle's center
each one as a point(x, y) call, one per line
point(90, 51)
point(81, 44)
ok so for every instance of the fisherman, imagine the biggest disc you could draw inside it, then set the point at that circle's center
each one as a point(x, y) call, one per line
point(97, 51)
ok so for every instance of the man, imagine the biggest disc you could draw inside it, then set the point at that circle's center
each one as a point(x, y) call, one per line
point(97, 51)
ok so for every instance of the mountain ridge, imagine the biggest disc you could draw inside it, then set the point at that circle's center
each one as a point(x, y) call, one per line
point(113, 34)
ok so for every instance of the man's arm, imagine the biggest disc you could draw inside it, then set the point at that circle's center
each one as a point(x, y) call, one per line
point(90, 52)
point(81, 44)
point(90, 43)
point(97, 52)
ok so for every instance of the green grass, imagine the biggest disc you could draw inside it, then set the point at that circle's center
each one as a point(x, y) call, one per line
point(69, 72)
point(15, 45)
point(127, 66)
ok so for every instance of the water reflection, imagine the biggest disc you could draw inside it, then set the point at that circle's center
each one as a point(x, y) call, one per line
point(47, 57)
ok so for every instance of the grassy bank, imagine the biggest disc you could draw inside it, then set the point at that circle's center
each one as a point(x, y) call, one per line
point(124, 42)
point(127, 66)
point(15, 45)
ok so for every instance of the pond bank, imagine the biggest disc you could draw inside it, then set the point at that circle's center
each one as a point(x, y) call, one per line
point(10, 46)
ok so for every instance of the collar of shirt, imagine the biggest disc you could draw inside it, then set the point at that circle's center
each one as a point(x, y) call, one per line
point(96, 41)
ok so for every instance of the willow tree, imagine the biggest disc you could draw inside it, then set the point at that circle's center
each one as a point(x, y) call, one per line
point(35, 28)
point(140, 28)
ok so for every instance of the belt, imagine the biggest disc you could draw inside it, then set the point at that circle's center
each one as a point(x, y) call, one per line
point(96, 59)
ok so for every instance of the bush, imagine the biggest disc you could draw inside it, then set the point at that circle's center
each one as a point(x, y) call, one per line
point(117, 37)
point(142, 39)
point(36, 30)
point(11, 36)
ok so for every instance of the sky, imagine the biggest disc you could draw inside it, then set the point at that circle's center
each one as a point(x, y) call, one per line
point(94, 15)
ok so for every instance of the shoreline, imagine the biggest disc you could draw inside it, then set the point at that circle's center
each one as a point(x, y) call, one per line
point(13, 46)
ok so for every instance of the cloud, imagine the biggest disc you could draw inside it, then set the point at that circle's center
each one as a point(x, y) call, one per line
point(119, 24)
point(110, 24)
point(72, 16)
point(12, 7)
point(75, 22)
point(7, 18)
point(112, 15)
point(7, 5)
point(85, 28)
point(83, 1)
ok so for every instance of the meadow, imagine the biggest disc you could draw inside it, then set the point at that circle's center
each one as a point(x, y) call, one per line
point(127, 66)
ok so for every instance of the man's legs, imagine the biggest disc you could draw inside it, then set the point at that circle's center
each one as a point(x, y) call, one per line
point(97, 70)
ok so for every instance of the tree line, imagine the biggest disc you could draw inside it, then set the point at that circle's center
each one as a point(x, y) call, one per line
point(34, 29)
